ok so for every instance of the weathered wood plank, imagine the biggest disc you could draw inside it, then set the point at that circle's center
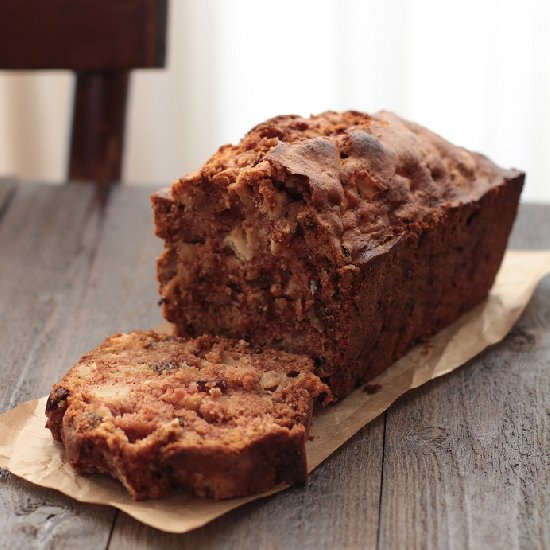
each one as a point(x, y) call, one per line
point(532, 227)
point(78, 267)
point(7, 189)
point(337, 508)
point(119, 292)
point(78, 273)
point(48, 240)
point(466, 461)
point(57, 36)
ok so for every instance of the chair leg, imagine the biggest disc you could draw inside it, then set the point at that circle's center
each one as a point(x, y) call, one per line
point(97, 136)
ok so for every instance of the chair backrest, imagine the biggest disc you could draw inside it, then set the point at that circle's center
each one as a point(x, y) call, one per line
point(101, 41)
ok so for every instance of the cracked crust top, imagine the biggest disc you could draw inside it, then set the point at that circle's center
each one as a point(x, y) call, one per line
point(369, 177)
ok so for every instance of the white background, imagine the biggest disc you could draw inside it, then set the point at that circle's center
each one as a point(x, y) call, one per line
point(477, 72)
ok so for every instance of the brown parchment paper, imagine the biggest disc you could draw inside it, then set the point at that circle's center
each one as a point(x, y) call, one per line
point(28, 451)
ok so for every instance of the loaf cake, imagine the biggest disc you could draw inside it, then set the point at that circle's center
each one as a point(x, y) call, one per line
point(212, 415)
point(345, 237)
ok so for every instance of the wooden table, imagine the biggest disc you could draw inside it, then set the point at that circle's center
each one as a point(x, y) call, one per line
point(462, 462)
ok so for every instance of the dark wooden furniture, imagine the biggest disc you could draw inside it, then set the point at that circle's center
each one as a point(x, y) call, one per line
point(462, 462)
point(101, 41)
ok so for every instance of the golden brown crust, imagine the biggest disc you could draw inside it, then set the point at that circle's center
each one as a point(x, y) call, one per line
point(208, 414)
point(367, 175)
point(343, 236)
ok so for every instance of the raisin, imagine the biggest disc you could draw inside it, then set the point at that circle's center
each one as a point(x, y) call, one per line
point(62, 393)
point(221, 384)
point(51, 404)
point(59, 395)
point(164, 366)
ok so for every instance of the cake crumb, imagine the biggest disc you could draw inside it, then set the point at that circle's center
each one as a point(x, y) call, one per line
point(372, 388)
point(427, 347)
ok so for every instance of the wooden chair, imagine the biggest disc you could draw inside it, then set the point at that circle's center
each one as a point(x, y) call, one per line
point(101, 41)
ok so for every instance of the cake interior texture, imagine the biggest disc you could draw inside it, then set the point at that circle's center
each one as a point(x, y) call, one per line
point(215, 416)
point(345, 237)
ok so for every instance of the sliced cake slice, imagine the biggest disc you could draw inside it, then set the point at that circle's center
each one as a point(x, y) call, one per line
point(209, 414)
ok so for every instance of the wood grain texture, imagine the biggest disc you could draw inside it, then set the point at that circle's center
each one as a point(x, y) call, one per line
point(76, 266)
point(532, 228)
point(88, 35)
point(48, 238)
point(466, 457)
point(47, 241)
point(97, 134)
point(7, 190)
